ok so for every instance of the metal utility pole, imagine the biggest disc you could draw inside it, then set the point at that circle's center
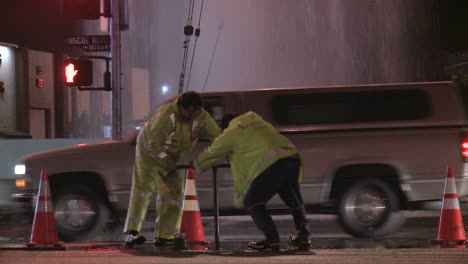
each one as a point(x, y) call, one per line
point(116, 74)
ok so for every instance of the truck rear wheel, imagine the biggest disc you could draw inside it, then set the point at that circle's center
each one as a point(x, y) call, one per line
point(80, 213)
point(369, 208)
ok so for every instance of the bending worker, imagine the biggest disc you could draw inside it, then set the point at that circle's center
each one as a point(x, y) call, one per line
point(164, 141)
point(263, 163)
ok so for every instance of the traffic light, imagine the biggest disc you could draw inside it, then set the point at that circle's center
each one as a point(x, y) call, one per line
point(81, 9)
point(78, 72)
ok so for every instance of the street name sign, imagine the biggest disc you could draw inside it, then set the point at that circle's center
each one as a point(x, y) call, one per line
point(89, 43)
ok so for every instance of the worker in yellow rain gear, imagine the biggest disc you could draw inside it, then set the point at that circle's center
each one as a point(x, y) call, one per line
point(164, 141)
point(263, 163)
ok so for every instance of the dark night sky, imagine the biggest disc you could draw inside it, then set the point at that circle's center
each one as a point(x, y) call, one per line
point(33, 24)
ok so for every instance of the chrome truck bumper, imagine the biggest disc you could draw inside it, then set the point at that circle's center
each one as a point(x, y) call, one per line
point(24, 205)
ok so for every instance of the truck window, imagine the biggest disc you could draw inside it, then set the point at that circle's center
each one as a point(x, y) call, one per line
point(214, 105)
point(463, 91)
point(350, 107)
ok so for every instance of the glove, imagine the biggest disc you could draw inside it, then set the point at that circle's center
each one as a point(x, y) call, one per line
point(169, 163)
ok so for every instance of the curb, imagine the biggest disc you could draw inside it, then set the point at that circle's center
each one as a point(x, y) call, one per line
point(71, 246)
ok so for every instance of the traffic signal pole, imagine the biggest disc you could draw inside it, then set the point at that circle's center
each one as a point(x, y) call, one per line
point(116, 74)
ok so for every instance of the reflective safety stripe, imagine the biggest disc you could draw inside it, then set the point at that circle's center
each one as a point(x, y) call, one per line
point(162, 155)
point(190, 189)
point(195, 125)
point(44, 201)
point(270, 154)
point(167, 143)
point(146, 195)
point(191, 205)
point(450, 185)
point(148, 148)
point(172, 116)
point(451, 204)
point(450, 200)
point(169, 140)
point(195, 131)
point(172, 202)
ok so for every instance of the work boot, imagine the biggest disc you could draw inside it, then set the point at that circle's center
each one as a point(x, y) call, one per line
point(163, 242)
point(264, 222)
point(265, 244)
point(301, 241)
point(134, 238)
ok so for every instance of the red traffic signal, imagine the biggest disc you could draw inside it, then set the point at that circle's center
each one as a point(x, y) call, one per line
point(78, 72)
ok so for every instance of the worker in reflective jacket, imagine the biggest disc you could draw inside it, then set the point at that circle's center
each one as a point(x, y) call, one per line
point(263, 163)
point(164, 141)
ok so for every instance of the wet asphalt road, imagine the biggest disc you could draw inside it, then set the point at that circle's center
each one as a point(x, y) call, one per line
point(236, 231)
point(316, 256)
point(329, 245)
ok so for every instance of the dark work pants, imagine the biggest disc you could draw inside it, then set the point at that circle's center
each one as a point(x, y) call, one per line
point(281, 178)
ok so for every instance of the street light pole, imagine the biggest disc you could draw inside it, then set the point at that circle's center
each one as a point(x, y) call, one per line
point(116, 74)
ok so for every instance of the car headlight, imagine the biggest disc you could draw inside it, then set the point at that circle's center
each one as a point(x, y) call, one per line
point(20, 169)
point(20, 172)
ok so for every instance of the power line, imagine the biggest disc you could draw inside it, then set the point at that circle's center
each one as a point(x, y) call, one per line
point(197, 34)
point(188, 32)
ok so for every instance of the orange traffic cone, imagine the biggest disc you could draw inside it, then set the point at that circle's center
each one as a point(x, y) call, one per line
point(44, 232)
point(451, 228)
point(191, 218)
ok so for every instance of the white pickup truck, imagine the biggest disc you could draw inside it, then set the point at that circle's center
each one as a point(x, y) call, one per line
point(369, 151)
point(13, 146)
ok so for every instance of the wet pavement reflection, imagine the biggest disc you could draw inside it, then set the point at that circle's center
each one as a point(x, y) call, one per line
point(236, 231)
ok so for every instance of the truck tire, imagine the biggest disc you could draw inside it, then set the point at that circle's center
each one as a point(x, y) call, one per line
point(80, 213)
point(370, 208)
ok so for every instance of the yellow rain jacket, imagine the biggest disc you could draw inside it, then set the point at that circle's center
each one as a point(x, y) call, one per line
point(165, 134)
point(251, 145)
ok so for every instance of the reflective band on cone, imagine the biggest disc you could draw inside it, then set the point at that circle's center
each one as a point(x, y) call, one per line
point(191, 205)
point(451, 229)
point(192, 224)
point(451, 204)
point(44, 232)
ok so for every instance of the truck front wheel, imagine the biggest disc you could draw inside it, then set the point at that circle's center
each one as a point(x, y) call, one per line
point(80, 213)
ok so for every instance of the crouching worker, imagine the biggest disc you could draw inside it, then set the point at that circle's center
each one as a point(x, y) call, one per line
point(263, 163)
